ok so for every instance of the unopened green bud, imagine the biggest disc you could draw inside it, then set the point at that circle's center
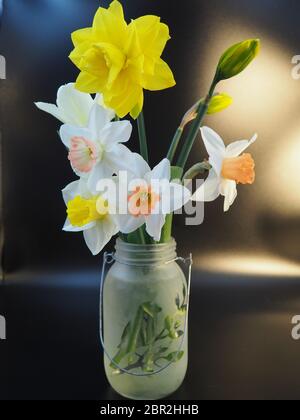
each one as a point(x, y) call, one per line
point(237, 58)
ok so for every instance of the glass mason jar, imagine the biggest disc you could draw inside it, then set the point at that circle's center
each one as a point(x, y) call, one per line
point(145, 305)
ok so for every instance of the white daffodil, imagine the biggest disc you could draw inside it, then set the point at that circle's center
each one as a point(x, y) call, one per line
point(95, 152)
point(89, 212)
point(150, 197)
point(73, 107)
point(229, 168)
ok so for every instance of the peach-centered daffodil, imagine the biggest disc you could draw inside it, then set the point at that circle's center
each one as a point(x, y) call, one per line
point(119, 60)
point(95, 151)
point(151, 196)
point(230, 166)
point(72, 107)
point(89, 212)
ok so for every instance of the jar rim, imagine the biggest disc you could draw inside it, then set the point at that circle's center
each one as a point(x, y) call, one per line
point(141, 254)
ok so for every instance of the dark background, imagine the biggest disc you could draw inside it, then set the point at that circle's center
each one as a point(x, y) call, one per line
point(247, 263)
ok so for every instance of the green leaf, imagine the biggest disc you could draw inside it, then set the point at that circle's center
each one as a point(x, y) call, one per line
point(175, 356)
point(177, 301)
point(148, 361)
point(169, 323)
point(136, 328)
point(122, 347)
point(177, 325)
point(151, 309)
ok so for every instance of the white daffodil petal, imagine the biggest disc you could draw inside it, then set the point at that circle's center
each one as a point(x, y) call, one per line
point(215, 148)
point(52, 110)
point(120, 158)
point(238, 147)
point(209, 190)
point(75, 105)
point(161, 172)
point(114, 133)
point(174, 197)
point(102, 170)
point(229, 191)
point(100, 101)
point(137, 165)
point(99, 236)
point(154, 225)
point(128, 223)
point(98, 119)
point(67, 132)
point(71, 191)
point(68, 227)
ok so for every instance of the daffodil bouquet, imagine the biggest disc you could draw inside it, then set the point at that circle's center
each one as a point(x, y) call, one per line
point(117, 63)
point(117, 192)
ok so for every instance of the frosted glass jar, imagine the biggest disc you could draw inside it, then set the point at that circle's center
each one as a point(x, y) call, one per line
point(145, 303)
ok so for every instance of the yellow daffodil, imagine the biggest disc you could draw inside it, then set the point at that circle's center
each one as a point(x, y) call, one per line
point(120, 60)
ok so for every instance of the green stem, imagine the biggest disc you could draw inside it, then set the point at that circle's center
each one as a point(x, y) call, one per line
point(142, 137)
point(141, 236)
point(198, 169)
point(175, 143)
point(201, 112)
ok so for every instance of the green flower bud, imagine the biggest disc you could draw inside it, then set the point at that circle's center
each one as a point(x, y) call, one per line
point(237, 58)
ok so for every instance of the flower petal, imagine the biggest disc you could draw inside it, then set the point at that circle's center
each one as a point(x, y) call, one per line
point(120, 158)
point(68, 227)
point(229, 191)
point(209, 190)
point(154, 225)
point(101, 170)
point(52, 110)
point(71, 191)
point(215, 148)
point(99, 117)
point(99, 236)
point(161, 79)
point(128, 223)
point(161, 172)
point(114, 133)
point(238, 147)
point(178, 197)
point(100, 101)
point(67, 132)
point(74, 105)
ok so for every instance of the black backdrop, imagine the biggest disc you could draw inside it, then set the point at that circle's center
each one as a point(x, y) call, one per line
point(50, 293)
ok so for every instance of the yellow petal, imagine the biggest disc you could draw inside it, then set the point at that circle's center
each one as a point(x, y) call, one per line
point(138, 108)
point(153, 35)
point(161, 79)
point(127, 98)
point(110, 28)
point(78, 53)
point(93, 62)
point(114, 58)
point(82, 35)
point(88, 83)
point(117, 9)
